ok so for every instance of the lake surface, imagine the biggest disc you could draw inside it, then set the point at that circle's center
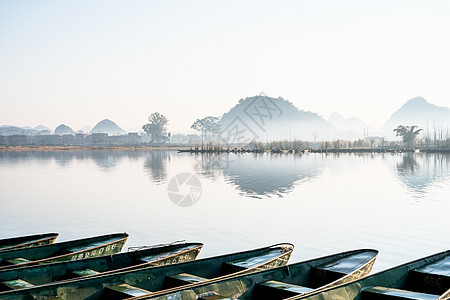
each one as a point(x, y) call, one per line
point(396, 203)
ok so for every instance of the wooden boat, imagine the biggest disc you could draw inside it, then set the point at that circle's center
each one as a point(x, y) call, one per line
point(161, 279)
point(158, 255)
point(426, 278)
point(285, 282)
point(64, 251)
point(27, 241)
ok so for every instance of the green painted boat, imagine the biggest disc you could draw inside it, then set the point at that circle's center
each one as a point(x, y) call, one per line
point(158, 255)
point(285, 282)
point(64, 251)
point(424, 279)
point(161, 279)
point(27, 241)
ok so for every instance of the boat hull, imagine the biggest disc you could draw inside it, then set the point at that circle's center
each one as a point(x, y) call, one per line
point(88, 268)
point(286, 282)
point(28, 241)
point(64, 251)
point(162, 278)
point(425, 278)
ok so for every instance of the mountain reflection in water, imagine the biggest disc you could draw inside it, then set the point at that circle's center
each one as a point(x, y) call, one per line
point(254, 175)
point(258, 175)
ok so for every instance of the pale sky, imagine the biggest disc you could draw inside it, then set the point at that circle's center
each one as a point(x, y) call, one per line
point(78, 62)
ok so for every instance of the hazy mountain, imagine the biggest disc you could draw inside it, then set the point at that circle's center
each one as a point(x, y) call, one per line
point(14, 130)
point(109, 127)
point(341, 123)
point(86, 129)
point(348, 128)
point(64, 129)
point(264, 118)
point(418, 111)
point(41, 128)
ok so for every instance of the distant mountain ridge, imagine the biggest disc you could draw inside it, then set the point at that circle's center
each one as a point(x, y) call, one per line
point(42, 128)
point(109, 127)
point(86, 129)
point(341, 123)
point(14, 130)
point(264, 118)
point(418, 111)
point(64, 129)
point(348, 128)
point(104, 126)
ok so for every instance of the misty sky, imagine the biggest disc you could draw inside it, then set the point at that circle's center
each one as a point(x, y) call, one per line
point(78, 62)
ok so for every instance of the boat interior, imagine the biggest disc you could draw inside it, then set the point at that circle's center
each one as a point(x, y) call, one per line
point(64, 271)
point(124, 290)
point(426, 282)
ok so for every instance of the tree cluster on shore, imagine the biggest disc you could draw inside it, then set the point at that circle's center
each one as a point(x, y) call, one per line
point(408, 134)
point(210, 130)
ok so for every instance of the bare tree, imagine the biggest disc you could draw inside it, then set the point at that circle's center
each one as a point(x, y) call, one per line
point(208, 125)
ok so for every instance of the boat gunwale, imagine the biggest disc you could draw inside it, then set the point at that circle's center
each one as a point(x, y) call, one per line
point(156, 294)
point(199, 247)
point(409, 265)
point(336, 282)
point(56, 285)
point(33, 262)
point(196, 247)
point(126, 268)
point(444, 296)
point(288, 252)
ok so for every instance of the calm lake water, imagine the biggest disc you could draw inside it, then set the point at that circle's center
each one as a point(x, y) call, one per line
point(396, 203)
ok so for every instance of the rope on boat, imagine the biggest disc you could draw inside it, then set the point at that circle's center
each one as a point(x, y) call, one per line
point(285, 247)
point(137, 248)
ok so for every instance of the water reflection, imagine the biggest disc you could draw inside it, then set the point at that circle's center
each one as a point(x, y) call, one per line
point(211, 165)
point(254, 175)
point(62, 158)
point(106, 160)
point(156, 165)
point(260, 174)
point(408, 164)
point(419, 171)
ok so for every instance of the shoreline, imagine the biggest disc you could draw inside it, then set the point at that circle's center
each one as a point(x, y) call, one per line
point(191, 149)
point(314, 150)
point(91, 148)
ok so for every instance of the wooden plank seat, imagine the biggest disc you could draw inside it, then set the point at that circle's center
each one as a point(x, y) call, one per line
point(123, 291)
point(433, 278)
point(16, 284)
point(182, 279)
point(384, 293)
point(279, 290)
point(84, 272)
